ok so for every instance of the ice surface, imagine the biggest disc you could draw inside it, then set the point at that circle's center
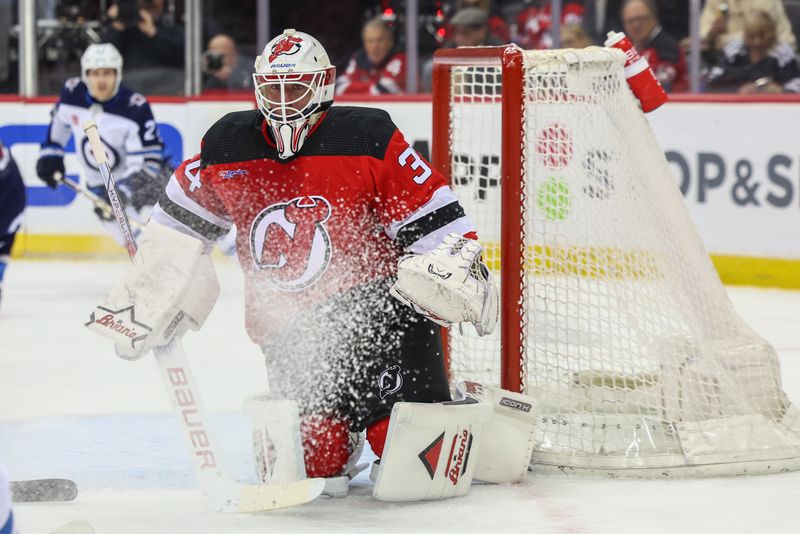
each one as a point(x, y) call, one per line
point(70, 408)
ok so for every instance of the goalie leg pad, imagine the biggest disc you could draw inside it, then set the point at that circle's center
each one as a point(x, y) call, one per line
point(508, 440)
point(287, 446)
point(277, 444)
point(430, 451)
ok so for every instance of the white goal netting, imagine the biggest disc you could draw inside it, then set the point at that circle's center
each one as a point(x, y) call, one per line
point(630, 344)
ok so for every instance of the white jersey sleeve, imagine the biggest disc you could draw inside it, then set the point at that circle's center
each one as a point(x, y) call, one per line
point(59, 131)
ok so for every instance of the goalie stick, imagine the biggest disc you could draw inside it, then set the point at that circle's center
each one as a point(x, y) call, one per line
point(43, 490)
point(226, 494)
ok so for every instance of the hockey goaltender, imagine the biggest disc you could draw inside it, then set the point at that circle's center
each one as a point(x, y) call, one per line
point(352, 249)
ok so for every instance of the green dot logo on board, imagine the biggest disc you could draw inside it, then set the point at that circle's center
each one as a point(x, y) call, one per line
point(554, 198)
point(554, 150)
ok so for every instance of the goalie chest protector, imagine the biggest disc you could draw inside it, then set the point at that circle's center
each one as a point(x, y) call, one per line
point(314, 225)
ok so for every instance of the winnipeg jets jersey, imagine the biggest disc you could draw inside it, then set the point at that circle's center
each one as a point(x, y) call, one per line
point(337, 216)
point(126, 125)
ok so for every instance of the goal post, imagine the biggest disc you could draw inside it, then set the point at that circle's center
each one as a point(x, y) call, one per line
point(612, 314)
point(494, 64)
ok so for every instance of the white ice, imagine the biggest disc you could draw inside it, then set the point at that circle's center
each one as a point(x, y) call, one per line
point(70, 408)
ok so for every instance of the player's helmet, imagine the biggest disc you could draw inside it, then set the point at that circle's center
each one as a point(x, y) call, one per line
point(294, 82)
point(101, 56)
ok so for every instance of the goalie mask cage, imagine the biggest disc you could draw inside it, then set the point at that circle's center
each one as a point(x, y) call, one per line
point(612, 315)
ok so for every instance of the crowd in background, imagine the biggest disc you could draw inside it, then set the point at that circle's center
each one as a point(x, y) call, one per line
point(747, 45)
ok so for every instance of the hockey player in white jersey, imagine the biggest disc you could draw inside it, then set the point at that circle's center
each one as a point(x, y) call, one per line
point(129, 132)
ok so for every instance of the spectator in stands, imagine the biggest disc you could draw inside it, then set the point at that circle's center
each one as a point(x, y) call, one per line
point(151, 48)
point(223, 67)
point(721, 21)
point(601, 17)
point(673, 15)
point(498, 27)
point(469, 28)
point(376, 68)
point(757, 62)
point(573, 36)
point(534, 23)
point(640, 22)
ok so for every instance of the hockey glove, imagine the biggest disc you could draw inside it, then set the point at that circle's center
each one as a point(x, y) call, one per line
point(147, 184)
point(170, 289)
point(449, 285)
point(50, 167)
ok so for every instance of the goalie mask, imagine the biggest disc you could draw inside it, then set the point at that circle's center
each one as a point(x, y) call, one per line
point(101, 56)
point(294, 82)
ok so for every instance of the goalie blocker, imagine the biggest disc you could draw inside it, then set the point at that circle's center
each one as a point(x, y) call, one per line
point(170, 288)
point(434, 451)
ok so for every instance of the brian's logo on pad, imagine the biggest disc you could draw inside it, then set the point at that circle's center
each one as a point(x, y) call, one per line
point(120, 325)
point(285, 47)
point(459, 454)
point(456, 460)
point(430, 455)
point(290, 244)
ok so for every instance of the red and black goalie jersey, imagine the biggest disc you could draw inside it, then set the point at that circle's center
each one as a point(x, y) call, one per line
point(337, 216)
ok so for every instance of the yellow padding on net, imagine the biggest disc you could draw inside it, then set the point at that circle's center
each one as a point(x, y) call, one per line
point(586, 262)
point(610, 263)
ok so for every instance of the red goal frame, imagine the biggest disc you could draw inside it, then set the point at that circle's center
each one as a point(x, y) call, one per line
point(512, 250)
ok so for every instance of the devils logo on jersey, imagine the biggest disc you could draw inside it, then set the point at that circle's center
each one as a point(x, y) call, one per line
point(285, 47)
point(289, 241)
point(390, 381)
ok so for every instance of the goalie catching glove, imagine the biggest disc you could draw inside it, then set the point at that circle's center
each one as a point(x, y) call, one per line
point(170, 289)
point(449, 285)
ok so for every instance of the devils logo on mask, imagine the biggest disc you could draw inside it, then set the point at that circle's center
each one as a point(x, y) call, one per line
point(285, 47)
point(289, 241)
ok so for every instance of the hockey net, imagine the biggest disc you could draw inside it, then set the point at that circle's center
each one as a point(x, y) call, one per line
point(613, 316)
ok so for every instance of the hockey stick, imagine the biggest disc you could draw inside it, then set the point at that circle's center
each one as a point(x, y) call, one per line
point(97, 201)
point(226, 494)
point(43, 490)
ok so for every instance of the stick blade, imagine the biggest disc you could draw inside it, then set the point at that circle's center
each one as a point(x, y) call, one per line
point(254, 499)
point(44, 490)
